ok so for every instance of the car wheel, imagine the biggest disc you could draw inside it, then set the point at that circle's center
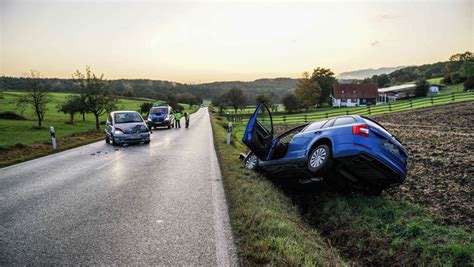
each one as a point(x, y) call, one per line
point(113, 142)
point(320, 159)
point(147, 141)
point(107, 140)
point(251, 161)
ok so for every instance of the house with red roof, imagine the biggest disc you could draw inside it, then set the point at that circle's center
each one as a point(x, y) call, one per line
point(354, 94)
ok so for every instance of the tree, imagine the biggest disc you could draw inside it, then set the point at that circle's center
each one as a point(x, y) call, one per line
point(466, 56)
point(307, 91)
point(235, 98)
point(265, 99)
point(36, 96)
point(325, 78)
point(96, 93)
point(422, 87)
point(467, 71)
point(291, 103)
point(145, 108)
point(71, 106)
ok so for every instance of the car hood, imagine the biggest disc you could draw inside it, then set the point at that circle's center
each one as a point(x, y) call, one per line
point(158, 116)
point(133, 127)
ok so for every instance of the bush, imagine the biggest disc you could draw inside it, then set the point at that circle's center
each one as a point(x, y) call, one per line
point(447, 79)
point(469, 83)
point(10, 115)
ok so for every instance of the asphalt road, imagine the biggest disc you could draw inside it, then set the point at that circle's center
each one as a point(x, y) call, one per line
point(156, 204)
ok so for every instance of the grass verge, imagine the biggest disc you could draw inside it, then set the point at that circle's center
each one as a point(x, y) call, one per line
point(267, 226)
point(383, 231)
point(23, 152)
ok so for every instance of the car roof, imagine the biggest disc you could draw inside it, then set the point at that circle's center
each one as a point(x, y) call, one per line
point(123, 111)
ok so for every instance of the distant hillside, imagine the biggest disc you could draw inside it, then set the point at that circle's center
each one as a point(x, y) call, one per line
point(365, 73)
point(158, 89)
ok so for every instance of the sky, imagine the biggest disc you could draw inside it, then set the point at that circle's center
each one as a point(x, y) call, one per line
point(196, 42)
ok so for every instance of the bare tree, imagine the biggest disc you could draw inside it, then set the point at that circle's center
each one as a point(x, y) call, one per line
point(96, 93)
point(235, 97)
point(36, 96)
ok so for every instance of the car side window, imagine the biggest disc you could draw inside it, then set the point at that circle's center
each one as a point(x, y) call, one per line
point(109, 119)
point(315, 126)
point(328, 124)
point(344, 121)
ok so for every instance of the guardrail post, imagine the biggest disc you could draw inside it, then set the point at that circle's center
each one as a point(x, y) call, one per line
point(368, 109)
point(229, 133)
point(432, 102)
point(389, 107)
point(284, 119)
point(452, 96)
point(53, 137)
point(411, 103)
point(305, 118)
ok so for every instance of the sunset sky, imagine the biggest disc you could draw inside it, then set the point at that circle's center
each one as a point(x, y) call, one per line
point(197, 42)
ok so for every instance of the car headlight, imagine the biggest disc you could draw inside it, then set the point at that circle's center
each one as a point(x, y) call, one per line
point(117, 131)
point(167, 119)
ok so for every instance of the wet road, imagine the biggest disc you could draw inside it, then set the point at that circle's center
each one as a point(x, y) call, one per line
point(159, 204)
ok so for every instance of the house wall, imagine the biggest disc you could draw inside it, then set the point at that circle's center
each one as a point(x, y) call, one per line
point(336, 102)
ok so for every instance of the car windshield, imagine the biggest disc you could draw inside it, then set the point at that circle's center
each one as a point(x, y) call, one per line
point(159, 110)
point(127, 117)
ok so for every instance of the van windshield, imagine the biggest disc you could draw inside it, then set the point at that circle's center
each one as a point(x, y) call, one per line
point(159, 110)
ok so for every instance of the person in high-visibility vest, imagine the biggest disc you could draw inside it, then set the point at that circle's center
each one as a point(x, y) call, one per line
point(187, 116)
point(177, 118)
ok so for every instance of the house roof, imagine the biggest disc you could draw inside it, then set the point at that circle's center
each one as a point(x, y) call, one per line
point(354, 90)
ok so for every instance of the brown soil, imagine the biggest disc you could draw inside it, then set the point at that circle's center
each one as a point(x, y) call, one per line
point(21, 152)
point(440, 144)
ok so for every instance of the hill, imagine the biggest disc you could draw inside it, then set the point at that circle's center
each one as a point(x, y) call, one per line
point(364, 73)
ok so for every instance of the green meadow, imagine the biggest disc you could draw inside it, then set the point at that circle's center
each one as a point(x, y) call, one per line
point(25, 131)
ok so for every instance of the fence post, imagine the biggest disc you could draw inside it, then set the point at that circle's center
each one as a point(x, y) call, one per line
point(327, 115)
point(284, 119)
point(368, 108)
point(411, 103)
point(432, 103)
point(347, 112)
point(389, 107)
point(452, 96)
point(305, 118)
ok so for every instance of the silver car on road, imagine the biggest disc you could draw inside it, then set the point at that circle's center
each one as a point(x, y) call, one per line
point(126, 127)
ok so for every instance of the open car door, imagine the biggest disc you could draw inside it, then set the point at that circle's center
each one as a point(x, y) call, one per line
point(258, 135)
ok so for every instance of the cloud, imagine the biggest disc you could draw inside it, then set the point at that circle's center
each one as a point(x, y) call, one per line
point(374, 43)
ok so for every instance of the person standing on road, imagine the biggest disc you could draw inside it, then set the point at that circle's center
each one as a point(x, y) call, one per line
point(177, 118)
point(187, 117)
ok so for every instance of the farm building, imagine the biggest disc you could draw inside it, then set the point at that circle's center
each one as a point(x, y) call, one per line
point(353, 94)
point(392, 93)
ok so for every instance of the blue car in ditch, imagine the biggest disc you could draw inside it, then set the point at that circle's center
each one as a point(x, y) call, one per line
point(355, 149)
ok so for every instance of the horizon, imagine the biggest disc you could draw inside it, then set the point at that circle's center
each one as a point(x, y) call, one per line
point(195, 43)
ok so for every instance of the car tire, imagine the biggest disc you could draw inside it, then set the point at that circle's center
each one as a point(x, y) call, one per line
point(107, 140)
point(147, 142)
point(169, 126)
point(320, 159)
point(251, 161)
point(113, 142)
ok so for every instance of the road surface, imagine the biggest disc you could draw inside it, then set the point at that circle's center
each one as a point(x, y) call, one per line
point(156, 204)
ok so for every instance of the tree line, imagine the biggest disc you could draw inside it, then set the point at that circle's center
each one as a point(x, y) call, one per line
point(94, 96)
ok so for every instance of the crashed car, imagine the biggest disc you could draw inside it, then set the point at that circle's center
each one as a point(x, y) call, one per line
point(124, 127)
point(356, 148)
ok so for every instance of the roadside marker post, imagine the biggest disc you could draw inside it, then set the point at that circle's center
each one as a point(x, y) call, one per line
point(53, 137)
point(229, 133)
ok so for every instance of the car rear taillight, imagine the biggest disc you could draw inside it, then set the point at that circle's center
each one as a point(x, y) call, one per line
point(361, 129)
